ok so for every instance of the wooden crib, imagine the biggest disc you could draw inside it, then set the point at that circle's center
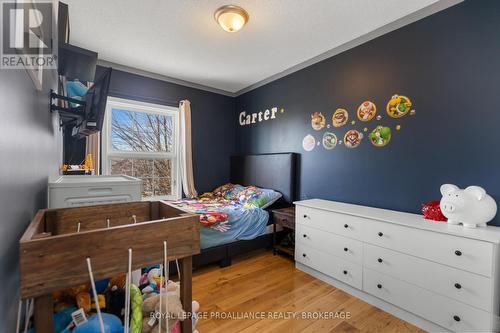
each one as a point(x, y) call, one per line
point(56, 244)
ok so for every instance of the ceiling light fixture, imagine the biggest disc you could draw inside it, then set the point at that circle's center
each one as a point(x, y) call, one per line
point(231, 18)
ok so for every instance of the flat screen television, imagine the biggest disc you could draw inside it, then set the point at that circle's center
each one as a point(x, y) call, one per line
point(95, 106)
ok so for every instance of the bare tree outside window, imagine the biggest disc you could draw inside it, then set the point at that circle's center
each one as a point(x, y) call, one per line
point(142, 132)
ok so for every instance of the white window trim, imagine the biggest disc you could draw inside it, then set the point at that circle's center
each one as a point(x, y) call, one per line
point(107, 151)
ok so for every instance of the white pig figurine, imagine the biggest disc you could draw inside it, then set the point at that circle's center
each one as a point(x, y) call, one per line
point(472, 207)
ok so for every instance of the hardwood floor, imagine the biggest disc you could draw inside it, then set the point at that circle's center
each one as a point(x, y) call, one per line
point(260, 287)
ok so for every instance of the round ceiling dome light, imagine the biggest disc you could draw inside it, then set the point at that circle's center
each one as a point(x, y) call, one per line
point(231, 18)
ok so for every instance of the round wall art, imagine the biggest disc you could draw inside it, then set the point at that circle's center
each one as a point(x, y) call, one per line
point(352, 139)
point(308, 143)
point(398, 106)
point(367, 111)
point(318, 121)
point(380, 136)
point(329, 140)
point(340, 117)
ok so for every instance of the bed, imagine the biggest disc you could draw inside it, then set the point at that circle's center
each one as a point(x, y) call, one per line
point(246, 228)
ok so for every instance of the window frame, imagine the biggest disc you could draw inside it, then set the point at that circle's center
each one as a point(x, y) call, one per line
point(136, 106)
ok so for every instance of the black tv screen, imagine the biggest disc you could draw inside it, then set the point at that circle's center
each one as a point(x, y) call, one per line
point(95, 105)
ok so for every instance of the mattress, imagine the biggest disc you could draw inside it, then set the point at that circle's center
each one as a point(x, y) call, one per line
point(233, 220)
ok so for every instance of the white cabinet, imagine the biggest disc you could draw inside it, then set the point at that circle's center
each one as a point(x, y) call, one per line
point(423, 271)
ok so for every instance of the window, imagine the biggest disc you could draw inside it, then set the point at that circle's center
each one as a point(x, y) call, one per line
point(140, 140)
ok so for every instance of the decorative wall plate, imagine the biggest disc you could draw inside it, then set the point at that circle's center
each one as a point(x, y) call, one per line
point(329, 140)
point(352, 139)
point(380, 136)
point(340, 117)
point(398, 106)
point(318, 121)
point(367, 111)
point(308, 143)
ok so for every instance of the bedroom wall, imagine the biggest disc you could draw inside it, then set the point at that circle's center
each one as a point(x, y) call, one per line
point(31, 151)
point(213, 130)
point(446, 63)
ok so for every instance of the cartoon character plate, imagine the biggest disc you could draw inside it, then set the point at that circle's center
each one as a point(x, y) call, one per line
point(398, 106)
point(318, 121)
point(308, 143)
point(352, 139)
point(329, 140)
point(380, 136)
point(367, 111)
point(340, 117)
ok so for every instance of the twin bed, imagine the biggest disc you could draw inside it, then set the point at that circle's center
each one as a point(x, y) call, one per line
point(238, 227)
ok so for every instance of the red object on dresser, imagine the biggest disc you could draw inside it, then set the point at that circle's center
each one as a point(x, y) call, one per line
point(432, 211)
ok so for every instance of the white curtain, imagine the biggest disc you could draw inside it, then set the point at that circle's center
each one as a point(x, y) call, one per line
point(185, 150)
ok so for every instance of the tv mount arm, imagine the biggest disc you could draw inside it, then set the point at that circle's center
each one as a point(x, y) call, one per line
point(72, 114)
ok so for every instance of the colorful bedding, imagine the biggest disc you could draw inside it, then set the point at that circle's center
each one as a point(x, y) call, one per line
point(224, 220)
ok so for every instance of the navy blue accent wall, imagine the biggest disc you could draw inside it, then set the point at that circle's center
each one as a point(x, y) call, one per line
point(448, 64)
point(212, 121)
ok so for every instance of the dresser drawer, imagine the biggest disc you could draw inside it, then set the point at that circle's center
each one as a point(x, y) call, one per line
point(441, 310)
point(340, 224)
point(459, 252)
point(330, 265)
point(469, 288)
point(342, 247)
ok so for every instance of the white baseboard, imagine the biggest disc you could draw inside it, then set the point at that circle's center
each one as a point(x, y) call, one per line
point(377, 302)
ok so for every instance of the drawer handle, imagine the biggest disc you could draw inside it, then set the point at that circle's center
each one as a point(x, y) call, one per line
point(346, 226)
point(305, 216)
point(345, 272)
point(380, 234)
point(458, 253)
point(458, 286)
point(379, 260)
point(379, 286)
point(304, 235)
point(304, 255)
point(346, 249)
point(456, 318)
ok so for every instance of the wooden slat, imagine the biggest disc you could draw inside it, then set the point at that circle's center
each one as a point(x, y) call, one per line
point(65, 221)
point(186, 268)
point(49, 264)
point(37, 226)
point(43, 314)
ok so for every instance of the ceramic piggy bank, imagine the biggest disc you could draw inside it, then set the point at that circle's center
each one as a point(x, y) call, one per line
point(472, 207)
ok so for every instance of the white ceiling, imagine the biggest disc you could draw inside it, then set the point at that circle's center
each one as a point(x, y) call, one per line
point(180, 38)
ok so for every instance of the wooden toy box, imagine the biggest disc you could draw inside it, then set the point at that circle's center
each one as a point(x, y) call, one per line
point(53, 252)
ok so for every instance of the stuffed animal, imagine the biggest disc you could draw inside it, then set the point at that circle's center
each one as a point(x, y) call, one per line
point(472, 206)
point(136, 309)
point(152, 313)
point(155, 281)
point(115, 301)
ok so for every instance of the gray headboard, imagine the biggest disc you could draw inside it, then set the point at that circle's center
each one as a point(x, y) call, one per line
point(274, 171)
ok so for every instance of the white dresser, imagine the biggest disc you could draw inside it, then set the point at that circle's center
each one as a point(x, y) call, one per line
point(434, 275)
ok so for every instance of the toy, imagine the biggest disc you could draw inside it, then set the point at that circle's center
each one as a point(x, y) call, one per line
point(152, 313)
point(136, 306)
point(112, 324)
point(154, 281)
point(472, 207)
point(432, 211)
point(62, 319)
point(83, 301)
point(115, 301)
point(117, 280)
point(102, 302)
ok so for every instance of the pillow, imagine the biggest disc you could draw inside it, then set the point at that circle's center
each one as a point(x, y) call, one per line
point(227, 191)
point(252, 196)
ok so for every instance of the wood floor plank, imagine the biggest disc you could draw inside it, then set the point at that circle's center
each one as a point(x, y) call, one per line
point(260, 282)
